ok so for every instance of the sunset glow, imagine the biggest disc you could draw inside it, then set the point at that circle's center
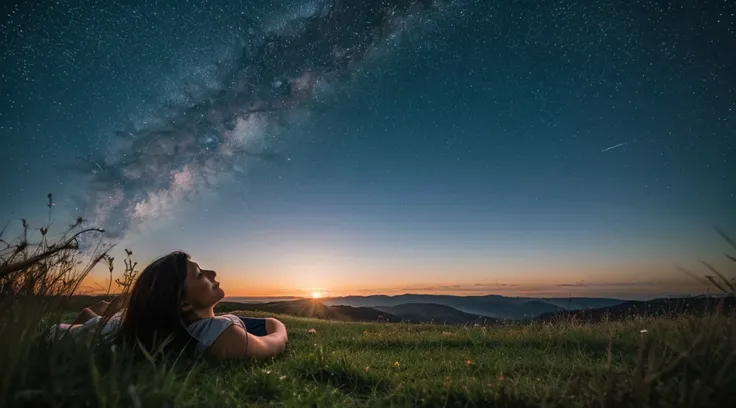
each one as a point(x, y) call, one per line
point(316, 295)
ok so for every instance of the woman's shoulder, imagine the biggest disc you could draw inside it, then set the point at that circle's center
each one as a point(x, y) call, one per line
point(207, 330)
point(215, 321)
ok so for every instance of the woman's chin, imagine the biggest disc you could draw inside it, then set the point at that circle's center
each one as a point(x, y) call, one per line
point(220, 293)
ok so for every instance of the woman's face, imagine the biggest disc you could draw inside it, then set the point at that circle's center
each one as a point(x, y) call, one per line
point(202, 290)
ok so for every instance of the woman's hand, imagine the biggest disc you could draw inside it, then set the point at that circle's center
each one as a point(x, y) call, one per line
point(99, 308)
point(91, 312)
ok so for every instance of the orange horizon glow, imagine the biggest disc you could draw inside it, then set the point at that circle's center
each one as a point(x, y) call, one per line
point(517, 288)
point(616, 278)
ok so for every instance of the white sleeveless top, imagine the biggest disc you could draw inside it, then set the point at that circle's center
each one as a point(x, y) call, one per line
point(205, 331)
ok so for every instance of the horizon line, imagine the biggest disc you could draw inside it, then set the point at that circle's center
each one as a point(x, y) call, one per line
point(626, 298)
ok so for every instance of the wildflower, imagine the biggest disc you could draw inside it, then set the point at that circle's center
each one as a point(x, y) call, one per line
point(366, 368)
point(312, 331)
point(469, 362)
point(643, 331)
point(396, 364)
point(283, 377)
point(267, 371)
point(501, 377)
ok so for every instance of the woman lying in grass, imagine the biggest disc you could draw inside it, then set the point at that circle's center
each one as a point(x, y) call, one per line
point(174, 299)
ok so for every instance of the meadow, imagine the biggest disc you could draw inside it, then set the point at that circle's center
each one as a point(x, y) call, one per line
point(637, 362)
point(649, 362)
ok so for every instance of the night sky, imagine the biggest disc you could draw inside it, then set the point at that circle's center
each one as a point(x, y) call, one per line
point(540, 148)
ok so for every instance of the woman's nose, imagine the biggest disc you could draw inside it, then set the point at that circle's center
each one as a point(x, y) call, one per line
point(210, 274)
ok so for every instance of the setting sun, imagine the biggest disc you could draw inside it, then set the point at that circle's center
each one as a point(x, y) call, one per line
point(316, 295)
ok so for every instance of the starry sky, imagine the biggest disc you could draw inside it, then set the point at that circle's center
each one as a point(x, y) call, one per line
point(523, 148)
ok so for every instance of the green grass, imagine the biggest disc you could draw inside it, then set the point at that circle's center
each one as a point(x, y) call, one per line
point(685, 362)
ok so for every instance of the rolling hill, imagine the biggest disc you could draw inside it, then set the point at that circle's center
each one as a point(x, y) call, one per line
point(495, 306)
point(409, 313)
point(427, 308)
point(433, 313)
point(312, 308)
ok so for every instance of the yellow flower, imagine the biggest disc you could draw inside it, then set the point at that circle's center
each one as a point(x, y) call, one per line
point(396, 364)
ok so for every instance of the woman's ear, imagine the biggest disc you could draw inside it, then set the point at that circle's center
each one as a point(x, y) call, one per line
point(186, 307)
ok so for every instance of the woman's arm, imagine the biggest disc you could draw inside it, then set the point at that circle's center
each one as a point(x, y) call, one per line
point(85, 315)
point(276, 328)
point(235, 342)
point(99, 308)
point(91, 312)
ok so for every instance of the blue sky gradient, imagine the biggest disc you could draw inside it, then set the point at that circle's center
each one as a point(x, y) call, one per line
point(464, 152)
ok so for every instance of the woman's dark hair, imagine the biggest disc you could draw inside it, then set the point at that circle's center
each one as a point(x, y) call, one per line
point(153, 318)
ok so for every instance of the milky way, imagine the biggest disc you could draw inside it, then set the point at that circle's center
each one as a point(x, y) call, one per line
point(195, 144)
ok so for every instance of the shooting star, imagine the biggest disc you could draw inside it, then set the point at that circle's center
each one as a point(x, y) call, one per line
point(98, 165)
point(612, 147)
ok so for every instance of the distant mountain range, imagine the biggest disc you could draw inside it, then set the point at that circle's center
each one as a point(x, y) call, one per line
point(493, 306)
point(311, 308)
point(423, 308)
point(484, 310)
point(433, 313)
point(409, 313)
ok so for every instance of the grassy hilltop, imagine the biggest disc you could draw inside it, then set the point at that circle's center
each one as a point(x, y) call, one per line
point(683, 362)
point(665, 361)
